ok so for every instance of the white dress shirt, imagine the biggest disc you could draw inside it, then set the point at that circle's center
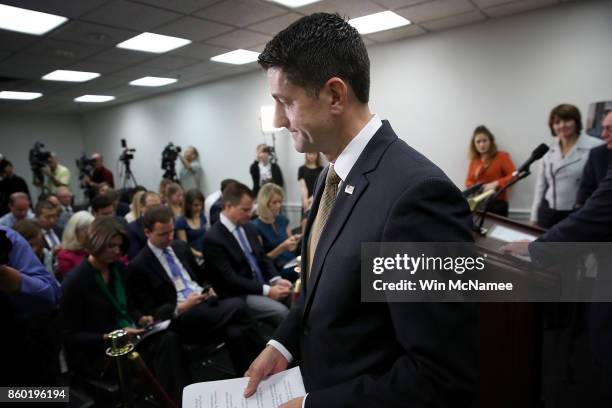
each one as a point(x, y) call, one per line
point(159, 253)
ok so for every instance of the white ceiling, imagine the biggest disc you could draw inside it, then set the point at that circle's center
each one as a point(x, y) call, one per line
point(87, 42)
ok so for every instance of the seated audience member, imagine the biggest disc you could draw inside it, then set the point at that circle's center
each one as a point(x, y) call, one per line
point(102, 188)
point(9, 183)
point(191, 227)
point(237, 263)
point(263, 170)
point(135, 228)
point(167, 283)
point(273, 228)
point(600, 159)
point(19, 209)
point(31, 232)
point(97, 301)
point(74, 241)
point(121, 208)
point(135, 208)
point(46, 216)
point(190, 175)
point(102, 206)
point(216, 206)
point(561, 167)
point(64, 196)
point(489, 166)
point(29, 296)
point(307, 177)
point(175, 198)
point(163, 187)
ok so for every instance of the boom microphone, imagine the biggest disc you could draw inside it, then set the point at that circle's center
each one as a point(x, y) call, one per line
point(535, 155)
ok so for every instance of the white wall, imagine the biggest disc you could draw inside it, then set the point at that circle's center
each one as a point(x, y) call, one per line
point(434, 89)
point(60, 134)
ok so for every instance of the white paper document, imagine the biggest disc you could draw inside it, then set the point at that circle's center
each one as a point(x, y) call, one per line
point(508, 235)
point(272, 392)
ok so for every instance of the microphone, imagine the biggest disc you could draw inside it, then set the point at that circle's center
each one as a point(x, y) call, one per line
point(535, 155)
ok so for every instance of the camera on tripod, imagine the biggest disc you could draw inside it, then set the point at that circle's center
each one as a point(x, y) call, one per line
point(169, 156)
point(39, 159)
point(86, 167)
point(127, 154)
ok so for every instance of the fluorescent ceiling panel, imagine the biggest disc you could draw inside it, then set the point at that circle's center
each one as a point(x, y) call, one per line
point(94, 98)
point(237, 57)
point(155, 43)
point(21, 96)
point(70, 76)
point(382, 21)
point(294, 3)
point(153, 81)
point(28, 21)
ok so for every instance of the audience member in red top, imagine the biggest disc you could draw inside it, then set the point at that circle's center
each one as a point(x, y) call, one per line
point(489, 166)
point(73, 242)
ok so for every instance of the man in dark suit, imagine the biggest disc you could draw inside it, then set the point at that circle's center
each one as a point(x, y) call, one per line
point(135, 229)
point(376, 189)
point(167, 283)
point(600, 158)
point(237, 262)
point(47, 214)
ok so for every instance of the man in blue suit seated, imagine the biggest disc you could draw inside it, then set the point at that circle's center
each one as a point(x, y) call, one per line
point(600, 158)
point(376, 189)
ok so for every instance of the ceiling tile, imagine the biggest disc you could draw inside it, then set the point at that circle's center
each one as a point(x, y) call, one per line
point(99, 85)
point(454, 21)
point(131, 16)
point(397, 33)
point(45, 87)
point(517, 7)
point(490, 3)
point(12, 41)
point(181, 6)
point(139, 71)
point(275, 24)
point(90, 33)
point(241, 13)
point(350, 9)
point(30, 66)
point(199, 51)
point(395, 4)
point(198, 70)
point(64, 8)
point(128, 57)
point(193, 28)
point(169, 62)
point(67, 50)
point(239, 39)
point(435, 10)
point(95, 66)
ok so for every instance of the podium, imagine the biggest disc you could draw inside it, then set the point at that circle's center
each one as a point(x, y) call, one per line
point(510, 333)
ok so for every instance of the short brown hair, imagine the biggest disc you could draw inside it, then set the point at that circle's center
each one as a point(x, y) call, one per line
point(233, 193)
point(44, 205)
point(28, 229)
point(565, 111)
point(482, 129)
point(101, 231)
point(155, 214)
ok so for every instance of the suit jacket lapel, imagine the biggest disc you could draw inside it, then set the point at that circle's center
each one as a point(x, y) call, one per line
point(157, 266)
point(357, 178)
point(233, 243)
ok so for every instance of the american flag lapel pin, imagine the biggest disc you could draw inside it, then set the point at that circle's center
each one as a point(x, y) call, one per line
point(349, 189)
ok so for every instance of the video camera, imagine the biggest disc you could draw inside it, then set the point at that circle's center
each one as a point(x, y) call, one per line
point(127, 154)
point(86, 167)
point(39, 159)
point(169, 156)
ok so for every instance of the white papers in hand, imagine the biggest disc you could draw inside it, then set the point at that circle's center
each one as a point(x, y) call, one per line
point(272, 392)
point(508, 235)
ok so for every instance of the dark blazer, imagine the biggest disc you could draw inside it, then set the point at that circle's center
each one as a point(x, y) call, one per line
point(153, 291)
point(356, 354)
point(600, 158)
point(138, 239)
point(277, 176)
point(228, 267)
point(215, 211)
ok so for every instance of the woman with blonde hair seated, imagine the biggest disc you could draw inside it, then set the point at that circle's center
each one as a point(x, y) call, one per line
point(273, 228)
point(135, 208)
point(74, 240)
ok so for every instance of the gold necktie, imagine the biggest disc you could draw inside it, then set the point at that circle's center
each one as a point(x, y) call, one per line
point(325, 206)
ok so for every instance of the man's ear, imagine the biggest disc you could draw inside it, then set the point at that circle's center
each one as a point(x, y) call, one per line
point(338, 94)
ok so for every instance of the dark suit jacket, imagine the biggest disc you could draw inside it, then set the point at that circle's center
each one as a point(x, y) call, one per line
point(355, 354)
point(595, 170)
point(277, 176)
point(153, 291)
point(215, 211)
point(137, 237)
point(228, 267)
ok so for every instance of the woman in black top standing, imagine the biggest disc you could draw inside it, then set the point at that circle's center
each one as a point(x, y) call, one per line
point(307, 177)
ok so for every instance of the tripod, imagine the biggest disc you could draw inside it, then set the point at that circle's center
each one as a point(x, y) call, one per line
point(128, 177)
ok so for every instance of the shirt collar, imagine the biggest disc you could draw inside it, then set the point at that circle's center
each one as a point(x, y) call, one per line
point(228, 224)
point(347, 159)
point(158, 252)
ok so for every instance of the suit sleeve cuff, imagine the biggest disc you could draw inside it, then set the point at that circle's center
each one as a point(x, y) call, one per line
point(281, 349)
point(304, 401)
point(266, 290)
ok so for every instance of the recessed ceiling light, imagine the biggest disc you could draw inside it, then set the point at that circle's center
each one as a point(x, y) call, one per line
point(382, 21)
point(70, 76)
point(94, 98)
point(153, 81)
point(237, 57)
point(294, 3)
point(22, 96)
point(156, 43)
point(28, 21)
